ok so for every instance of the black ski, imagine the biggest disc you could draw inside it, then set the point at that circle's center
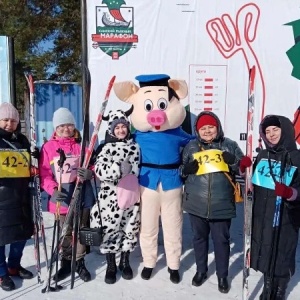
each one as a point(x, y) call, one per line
point(34, 186)
point(85, 140)
point(78, 188)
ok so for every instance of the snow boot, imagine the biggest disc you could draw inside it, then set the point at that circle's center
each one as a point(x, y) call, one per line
point(124, 266)
point(64, 271)
point(199, 278)
point(111, 270)
point(6, 283)
point(223, 285)
point(20, 272)
point(146, 273)
point(82, 271)
point(174, 276)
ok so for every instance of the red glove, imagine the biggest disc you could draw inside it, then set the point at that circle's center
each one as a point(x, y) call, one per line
point(283, 190)
point(245, 162)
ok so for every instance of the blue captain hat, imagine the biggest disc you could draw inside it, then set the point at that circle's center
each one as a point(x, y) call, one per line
point(153, 80)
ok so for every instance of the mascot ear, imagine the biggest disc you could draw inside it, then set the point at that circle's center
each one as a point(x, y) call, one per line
point(124, 90)
point(179, 86)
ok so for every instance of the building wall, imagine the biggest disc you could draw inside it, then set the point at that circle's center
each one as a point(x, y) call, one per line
point(51, 95)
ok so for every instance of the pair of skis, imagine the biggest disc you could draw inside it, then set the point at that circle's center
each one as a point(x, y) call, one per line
point(248, 203)
point(73, 214)
point(34, 186)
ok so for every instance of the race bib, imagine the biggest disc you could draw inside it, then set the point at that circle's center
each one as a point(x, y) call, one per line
point(69, 170)
point(262, 175)
point(210, 161)
point(14, 163)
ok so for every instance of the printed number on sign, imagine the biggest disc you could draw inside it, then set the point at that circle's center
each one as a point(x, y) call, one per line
point(262, 175)
point(14, 164)
point(66, 168)
point(69, 170)
point(206, 159)
point(266, 171)
point(210, 161)
point(276, 169)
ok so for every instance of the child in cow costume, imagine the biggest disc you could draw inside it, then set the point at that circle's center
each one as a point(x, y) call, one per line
point(157, 116)
point(117, 162)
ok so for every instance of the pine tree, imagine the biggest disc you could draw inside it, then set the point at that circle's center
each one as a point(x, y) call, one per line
point(36, 25)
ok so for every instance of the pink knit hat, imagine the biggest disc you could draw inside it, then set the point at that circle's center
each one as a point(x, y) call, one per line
point(8, 111)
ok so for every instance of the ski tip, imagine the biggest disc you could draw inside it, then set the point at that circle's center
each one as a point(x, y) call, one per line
point(252, 77)
point(52, 289)
point(112, 80)
point(252, 71)
point(110, 85)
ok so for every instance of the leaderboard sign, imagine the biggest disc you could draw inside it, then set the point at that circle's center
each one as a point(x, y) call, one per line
point(7, 88)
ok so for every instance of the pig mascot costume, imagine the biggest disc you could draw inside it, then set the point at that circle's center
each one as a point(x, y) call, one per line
point(157, 116)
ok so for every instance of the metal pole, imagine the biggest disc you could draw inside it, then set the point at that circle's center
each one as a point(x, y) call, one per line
point(84, 54)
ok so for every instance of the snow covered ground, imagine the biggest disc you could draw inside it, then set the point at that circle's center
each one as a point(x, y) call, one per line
point(159, 286)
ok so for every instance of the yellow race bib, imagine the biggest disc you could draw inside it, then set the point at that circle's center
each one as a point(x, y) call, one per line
point(210, 161)
point(14, 163)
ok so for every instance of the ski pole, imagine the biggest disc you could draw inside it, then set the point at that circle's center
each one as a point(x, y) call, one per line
point(76, 223)
point(55, 236)
point(276, 227)
point(62, 159)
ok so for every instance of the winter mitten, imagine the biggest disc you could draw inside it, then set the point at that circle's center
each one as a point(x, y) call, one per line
point(125, 167)
point(59, 196)
point(228, 158)
point(84, 174)
point(191, 167)
point(283, 190)
point(245, 162)
point(35, 153)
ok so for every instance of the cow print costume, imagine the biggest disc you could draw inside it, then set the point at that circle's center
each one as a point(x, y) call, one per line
point(121, 227)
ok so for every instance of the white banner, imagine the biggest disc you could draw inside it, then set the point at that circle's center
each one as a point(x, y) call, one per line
point(209, 43)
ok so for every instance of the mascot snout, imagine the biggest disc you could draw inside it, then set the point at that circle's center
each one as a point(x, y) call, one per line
point(156, 118)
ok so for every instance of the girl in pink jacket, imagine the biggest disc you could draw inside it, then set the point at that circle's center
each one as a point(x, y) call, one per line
point(67, 138)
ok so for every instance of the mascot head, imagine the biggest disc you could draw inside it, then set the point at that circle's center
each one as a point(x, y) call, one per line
point(156, 102)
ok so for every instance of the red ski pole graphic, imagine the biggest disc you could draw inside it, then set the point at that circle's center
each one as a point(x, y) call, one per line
point(231, 37)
